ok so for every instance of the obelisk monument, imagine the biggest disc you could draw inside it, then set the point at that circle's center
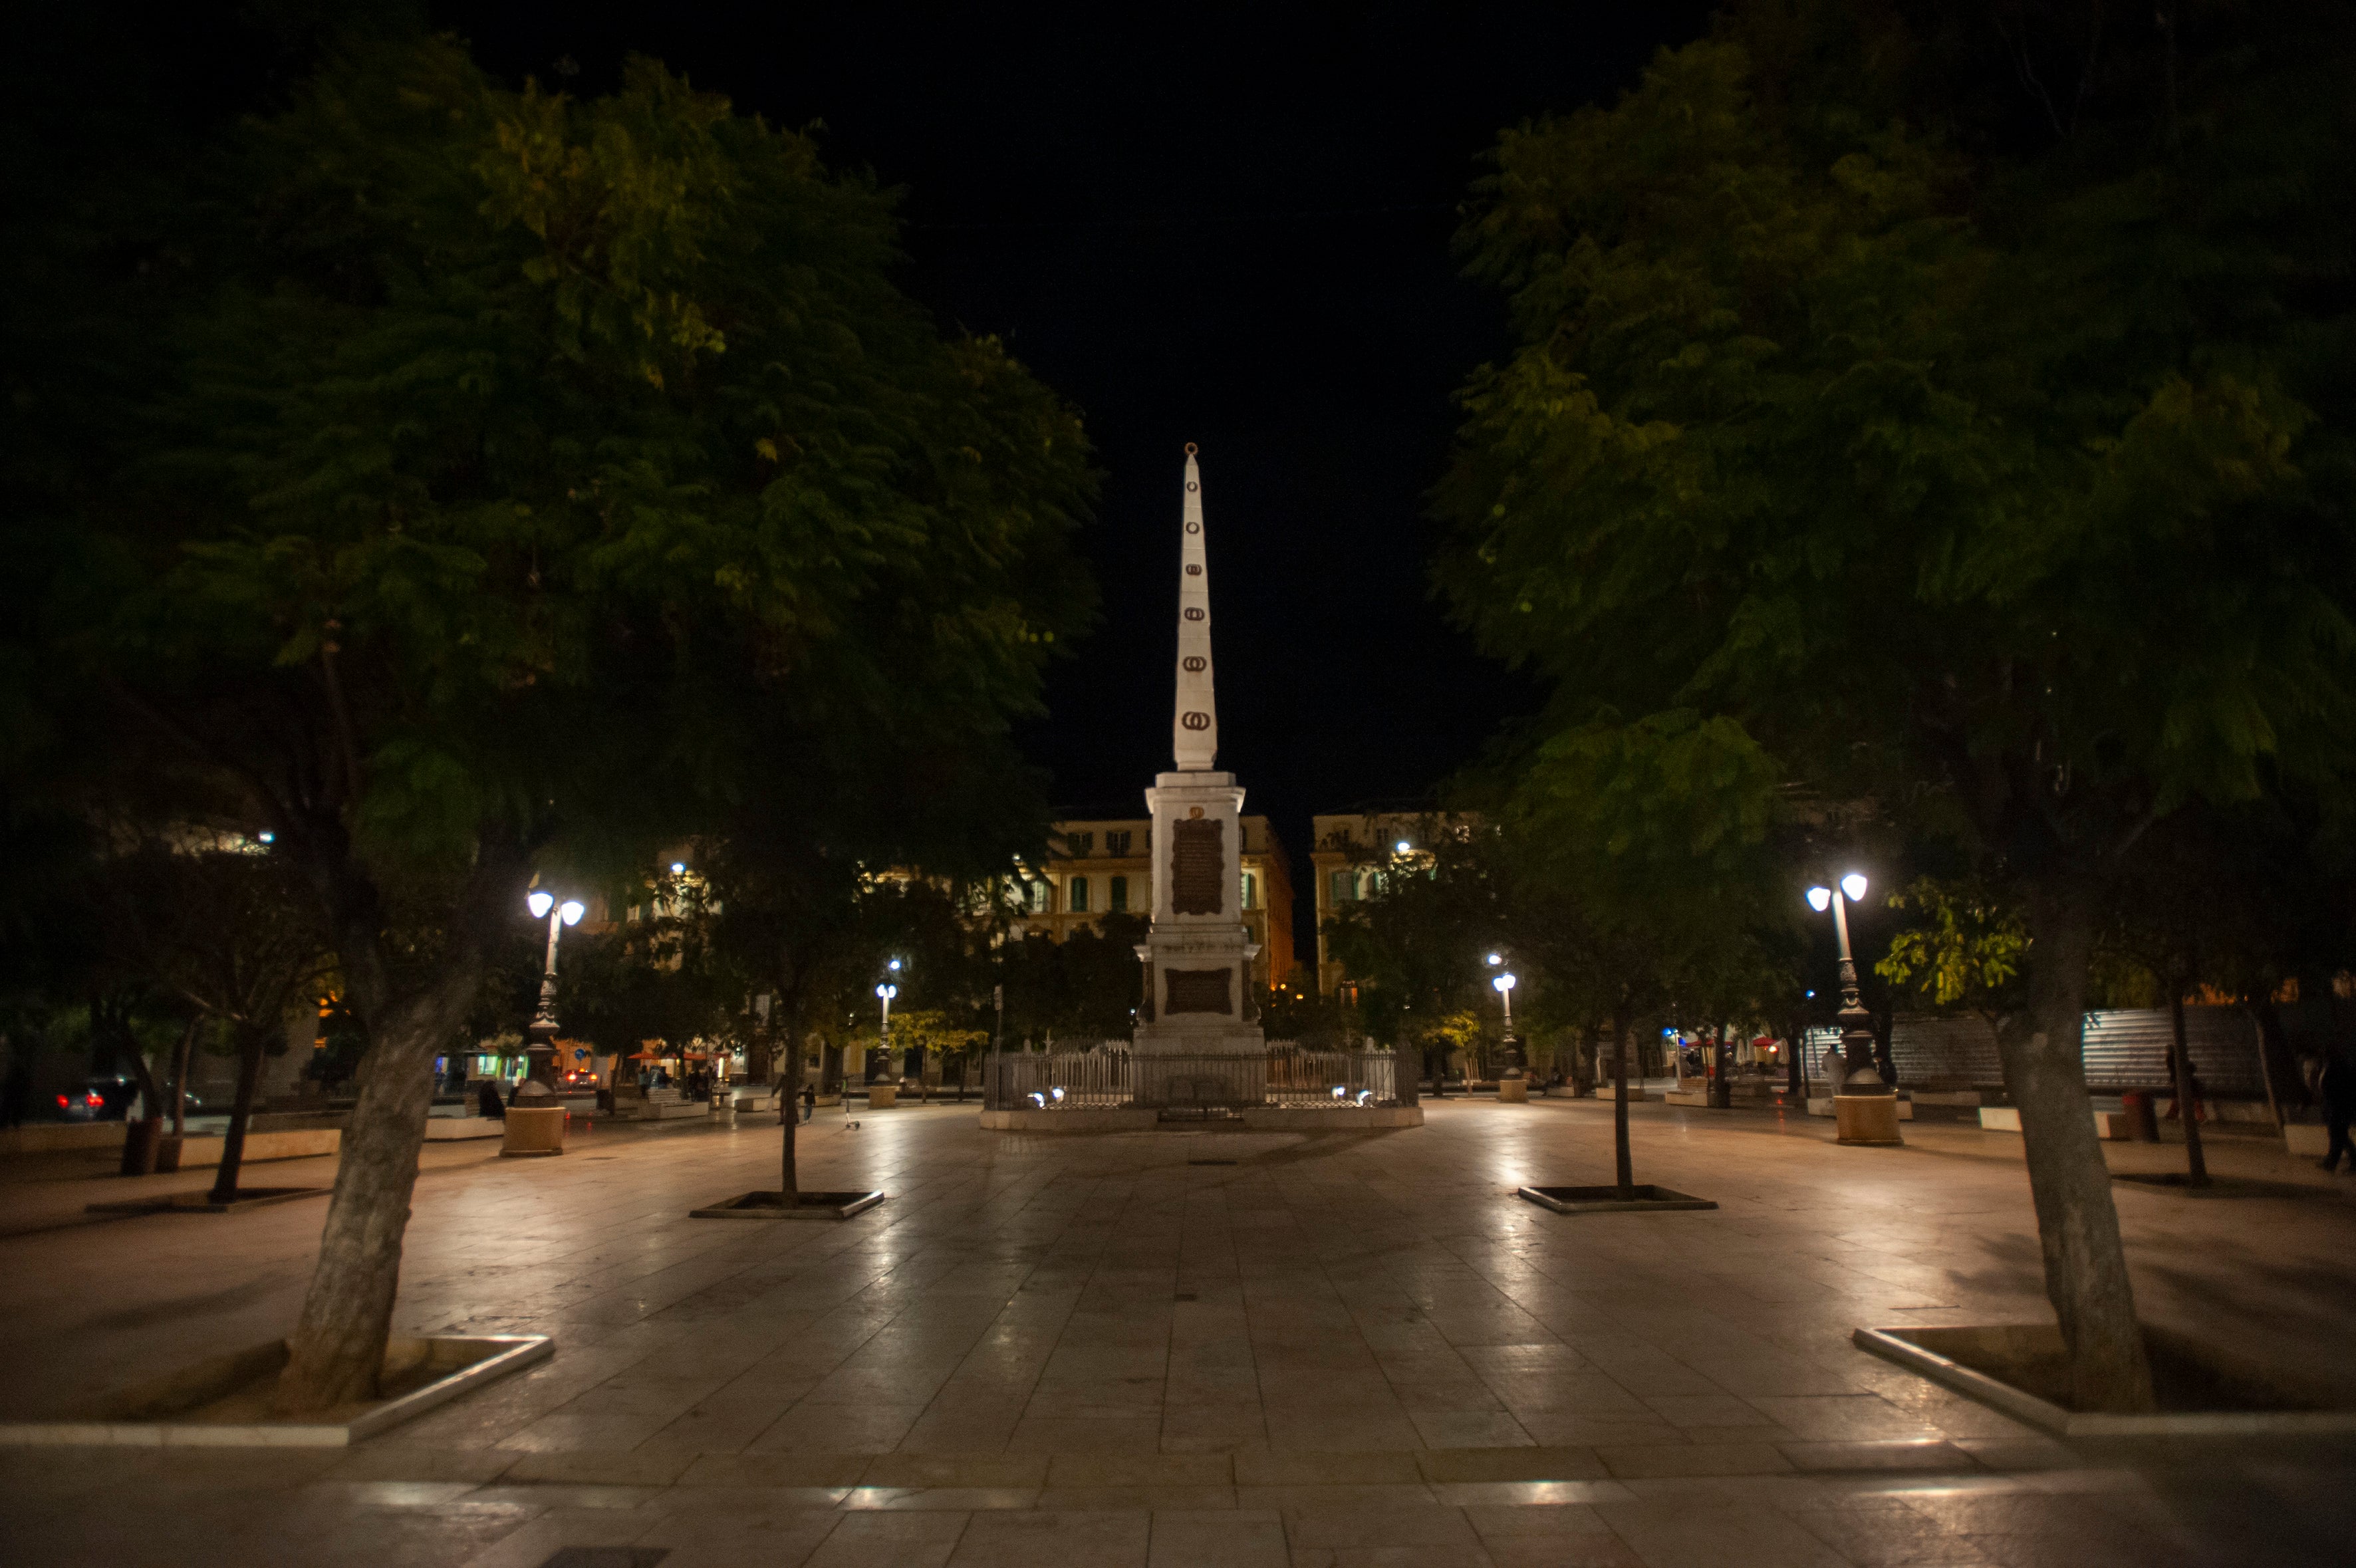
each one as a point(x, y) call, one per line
point(1198, 1040)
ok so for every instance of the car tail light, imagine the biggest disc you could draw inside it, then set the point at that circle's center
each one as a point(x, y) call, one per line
point(64, 1101)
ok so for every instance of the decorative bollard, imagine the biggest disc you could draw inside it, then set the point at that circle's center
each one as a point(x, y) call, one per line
point(533, 1132)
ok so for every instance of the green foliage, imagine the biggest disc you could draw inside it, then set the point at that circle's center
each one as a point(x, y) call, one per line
point(568, 462)
point(1822, 428)
point(1964, 946)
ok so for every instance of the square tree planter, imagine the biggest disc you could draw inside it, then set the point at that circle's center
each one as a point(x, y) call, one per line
point(224, 1402)
point(2022, 1369)
point(771, 1205)
point(1607, 1200)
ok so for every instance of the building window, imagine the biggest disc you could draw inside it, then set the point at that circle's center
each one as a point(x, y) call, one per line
point(1340, 887)
point(1251, 891)
point(1117, 842)
point(1080, 895)
point(1035, 897)
point(1118, 903)
point(1079, 844)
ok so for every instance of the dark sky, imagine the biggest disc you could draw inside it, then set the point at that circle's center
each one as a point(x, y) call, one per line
point(1225, 226)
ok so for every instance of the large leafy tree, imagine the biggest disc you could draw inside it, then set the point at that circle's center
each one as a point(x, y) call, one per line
point(1990, 463)
point(518, 479)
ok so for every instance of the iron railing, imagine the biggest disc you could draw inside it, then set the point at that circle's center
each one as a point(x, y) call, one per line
point(1112, 1076)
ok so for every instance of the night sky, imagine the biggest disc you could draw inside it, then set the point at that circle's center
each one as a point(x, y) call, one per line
point(1229, 227)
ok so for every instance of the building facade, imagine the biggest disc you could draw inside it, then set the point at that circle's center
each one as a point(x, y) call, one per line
point(1105, 865)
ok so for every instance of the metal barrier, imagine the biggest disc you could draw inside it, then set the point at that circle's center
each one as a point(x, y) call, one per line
point(1114, 1076)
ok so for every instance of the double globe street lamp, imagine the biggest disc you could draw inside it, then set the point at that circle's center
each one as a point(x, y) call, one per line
point(1513, 1084)
point(541, 1050)
point(1865, 1108)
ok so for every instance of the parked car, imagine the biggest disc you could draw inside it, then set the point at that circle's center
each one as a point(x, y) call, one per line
point(95, 1099)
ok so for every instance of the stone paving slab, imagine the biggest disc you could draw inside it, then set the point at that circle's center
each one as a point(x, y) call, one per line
point(1339, 1348)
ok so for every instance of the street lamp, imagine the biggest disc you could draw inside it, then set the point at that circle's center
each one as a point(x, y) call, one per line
point(1512, 1083)
point(540, 1052)
point(1865, 1108)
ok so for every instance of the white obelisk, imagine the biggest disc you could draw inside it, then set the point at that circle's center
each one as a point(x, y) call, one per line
point(1200, 1001)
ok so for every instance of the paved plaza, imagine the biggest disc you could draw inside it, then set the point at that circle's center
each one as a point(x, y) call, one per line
point(1166, 1349)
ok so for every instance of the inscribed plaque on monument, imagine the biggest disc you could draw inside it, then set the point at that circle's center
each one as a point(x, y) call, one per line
point(1199, 873)
point(1197, 991)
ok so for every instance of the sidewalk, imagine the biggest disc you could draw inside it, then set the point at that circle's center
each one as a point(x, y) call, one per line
point(1167, 1348)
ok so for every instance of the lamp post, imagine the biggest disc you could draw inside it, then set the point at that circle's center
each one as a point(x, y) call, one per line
point(885, 993)
point(540, 1050)
point(1864, 1107)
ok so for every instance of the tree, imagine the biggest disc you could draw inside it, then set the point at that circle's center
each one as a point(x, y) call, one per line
point(522, 477)
point(1986, 473)
point(1415, 944)
point(221, 924)
point(1640, 857)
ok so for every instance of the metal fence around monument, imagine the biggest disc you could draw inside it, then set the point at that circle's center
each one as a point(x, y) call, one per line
point(1109, 1078)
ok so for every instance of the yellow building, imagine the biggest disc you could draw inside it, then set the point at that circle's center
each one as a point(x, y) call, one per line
point(1104, 865)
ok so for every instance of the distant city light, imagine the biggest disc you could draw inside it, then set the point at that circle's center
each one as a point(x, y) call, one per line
point(677, 867)
point(1403, 846)
point(269, 837)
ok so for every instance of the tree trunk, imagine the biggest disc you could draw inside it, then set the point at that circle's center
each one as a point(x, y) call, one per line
point(1624, 1168)
point(180, 1076)
point(2187, 1107)
point(2077, 1224)
point(251, 1041)
point(1721, 1059)
point(790, 1097)
point(337, 1351)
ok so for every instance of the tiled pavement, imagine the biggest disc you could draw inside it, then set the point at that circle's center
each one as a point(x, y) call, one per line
point(1340, 1349)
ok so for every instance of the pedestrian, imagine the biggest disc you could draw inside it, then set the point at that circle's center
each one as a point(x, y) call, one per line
point(809, 1103)
point(2337, 1084)
point(487, 1102)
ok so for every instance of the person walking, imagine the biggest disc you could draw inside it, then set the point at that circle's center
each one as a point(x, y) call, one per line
point(809, 1103)
point(487, 1102)
point(2336, 1086)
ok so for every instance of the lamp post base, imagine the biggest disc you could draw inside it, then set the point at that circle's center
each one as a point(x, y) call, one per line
point(1867, 1118)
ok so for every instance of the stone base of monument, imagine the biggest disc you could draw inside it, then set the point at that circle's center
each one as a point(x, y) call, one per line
point(1867, 1118)
point(224, 1401)
point(2022, 1369)
point(882, 1096)
point(1641, 1196)
point(532, 1133)
point(1251, 1119)
point(771, 1205)
point(1513, 1090)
